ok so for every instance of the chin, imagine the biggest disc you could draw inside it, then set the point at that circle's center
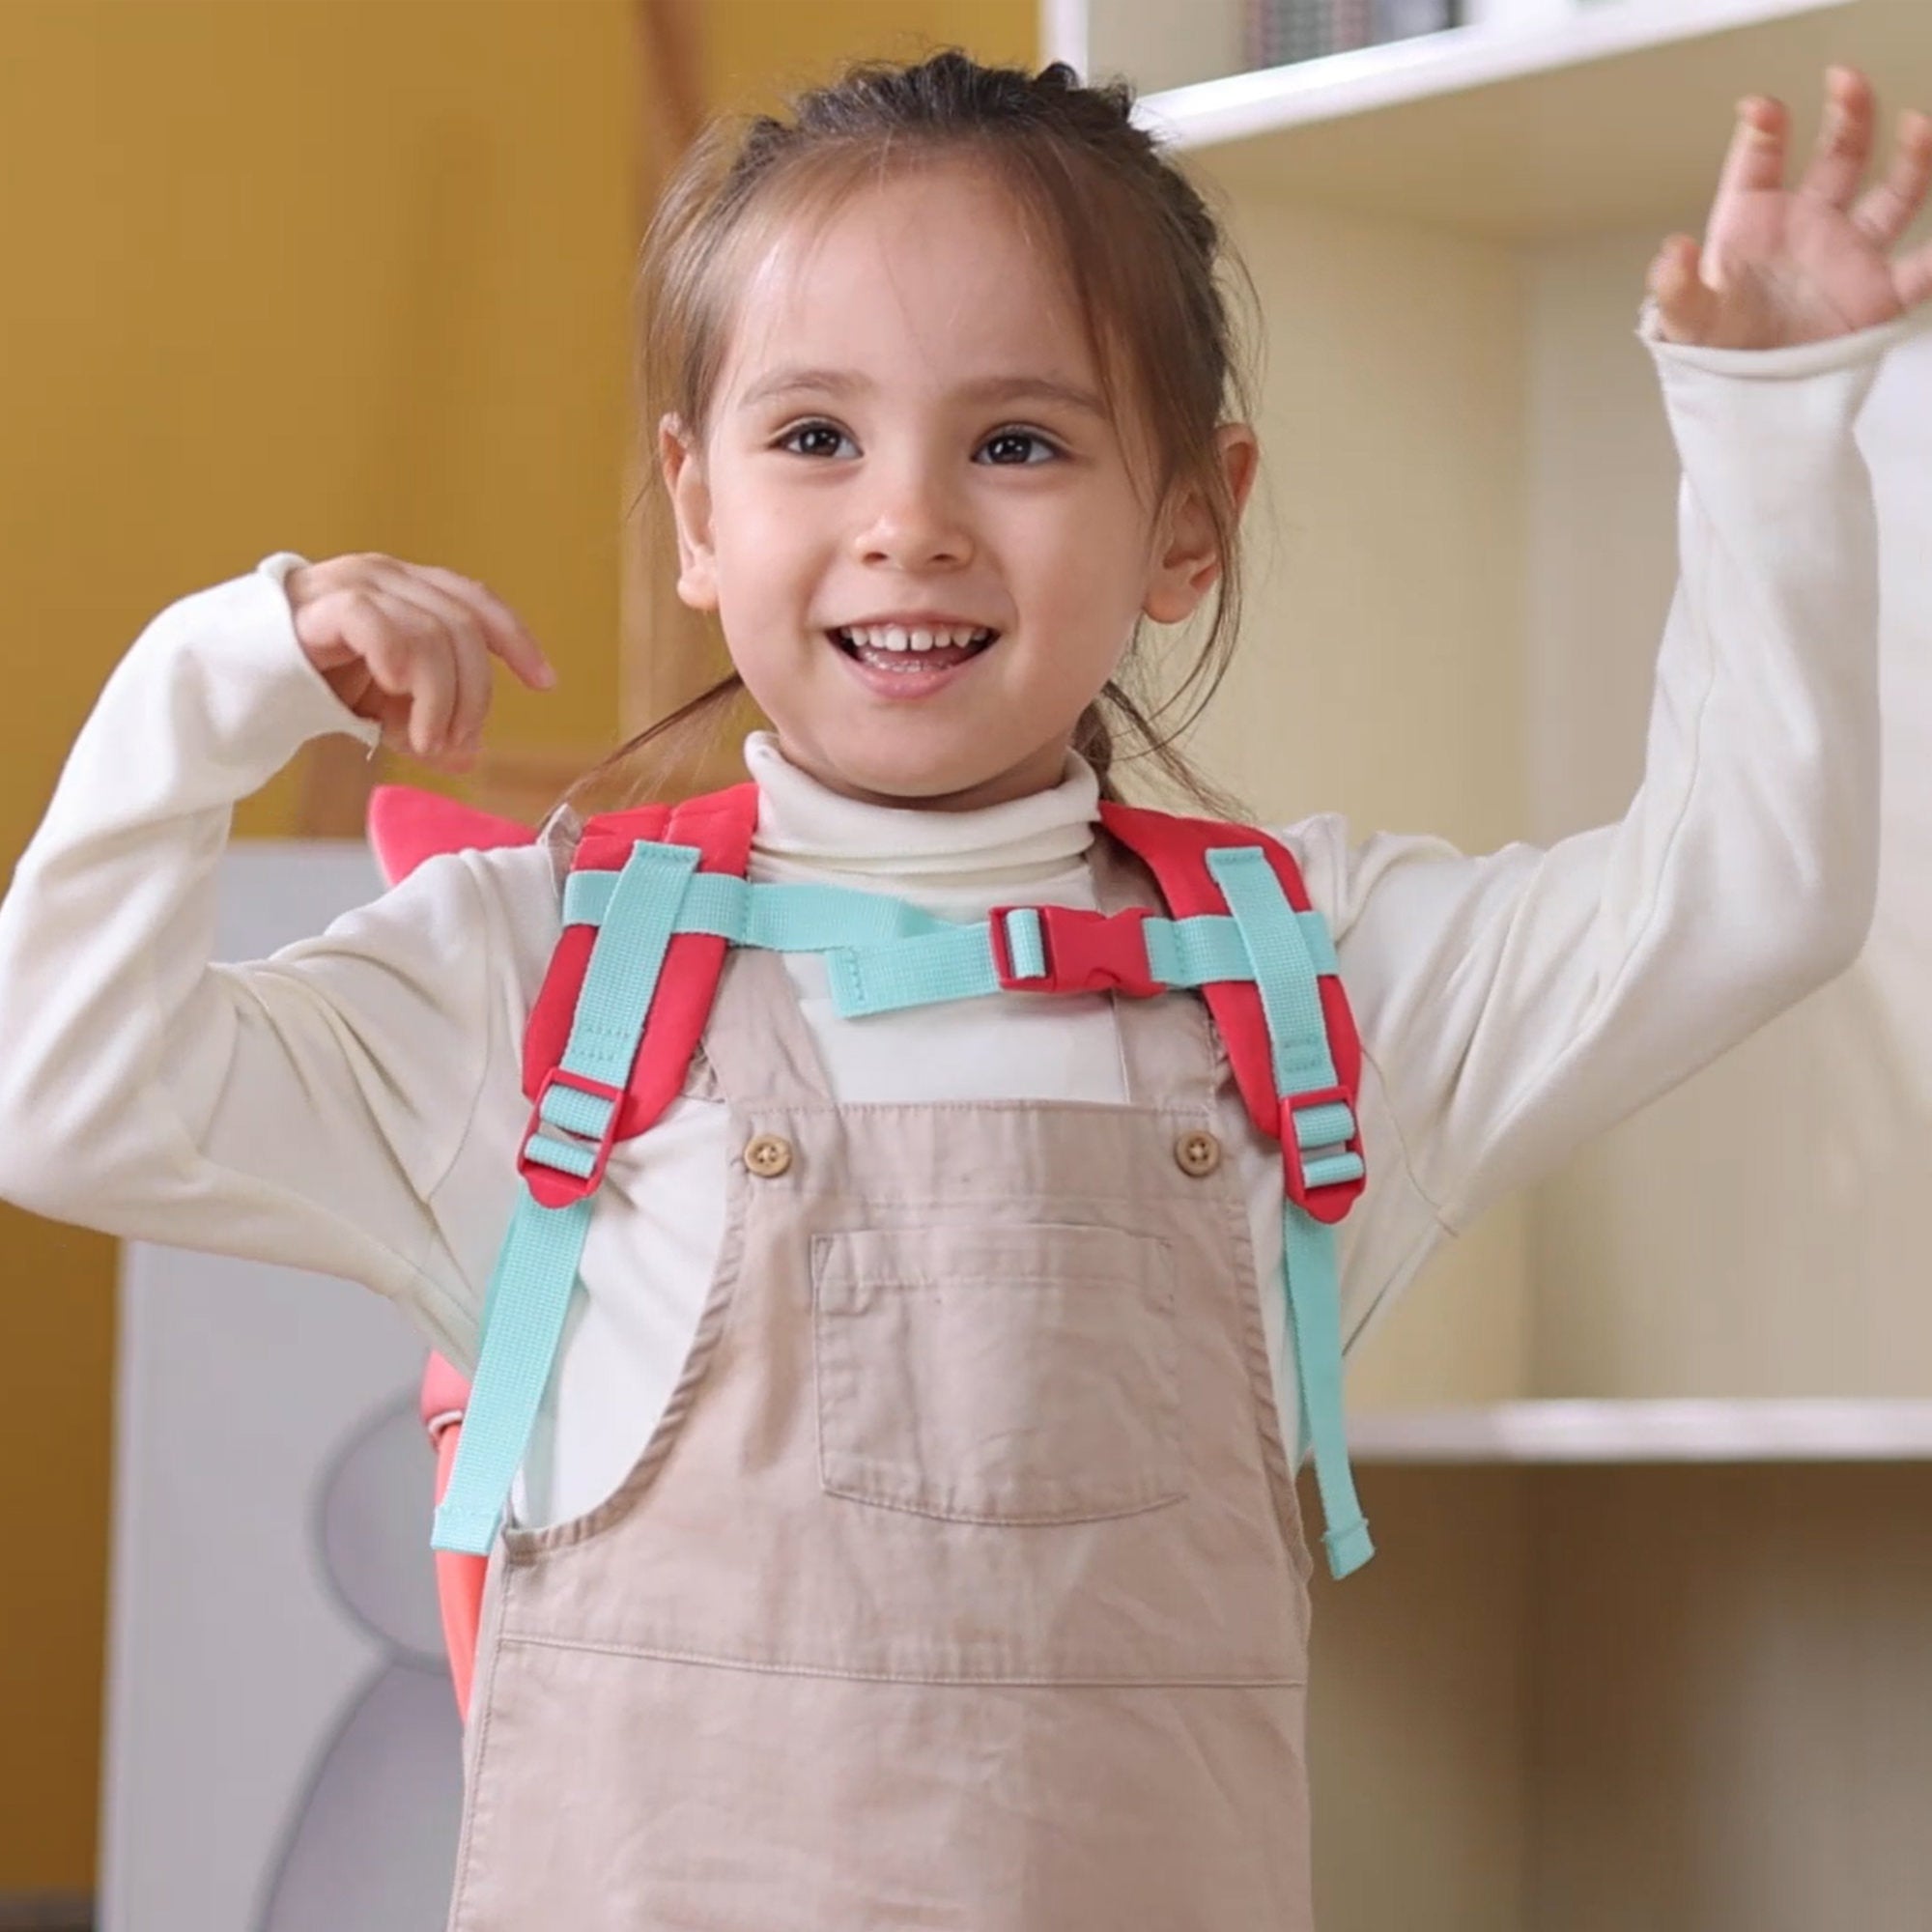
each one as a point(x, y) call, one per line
point(906, 778)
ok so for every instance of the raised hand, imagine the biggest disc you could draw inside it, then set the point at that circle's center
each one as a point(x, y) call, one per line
point(408, 645)
point(1781, 266)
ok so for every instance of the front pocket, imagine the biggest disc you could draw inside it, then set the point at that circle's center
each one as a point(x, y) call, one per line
point(1015, 1374)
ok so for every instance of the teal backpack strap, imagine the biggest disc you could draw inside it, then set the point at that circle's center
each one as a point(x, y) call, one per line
point(1318, 1122)
point(882, 954)
point(571, 1134)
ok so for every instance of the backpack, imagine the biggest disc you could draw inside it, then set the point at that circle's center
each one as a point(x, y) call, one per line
point(654, 898)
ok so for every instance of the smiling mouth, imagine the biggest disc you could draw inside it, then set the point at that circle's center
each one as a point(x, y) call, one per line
point(909, 651)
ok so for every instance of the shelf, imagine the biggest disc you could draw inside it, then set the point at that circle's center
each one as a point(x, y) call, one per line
point(1821, 1430)
point(1617, 118)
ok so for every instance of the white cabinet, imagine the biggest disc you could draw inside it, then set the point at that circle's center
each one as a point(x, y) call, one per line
point(1648, 1639)
point(283, 1747)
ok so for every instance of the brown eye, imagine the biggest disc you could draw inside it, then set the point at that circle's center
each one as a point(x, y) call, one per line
point(814, 439)
point(1009, 447)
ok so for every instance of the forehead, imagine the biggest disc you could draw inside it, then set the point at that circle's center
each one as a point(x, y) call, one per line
point(926, 281)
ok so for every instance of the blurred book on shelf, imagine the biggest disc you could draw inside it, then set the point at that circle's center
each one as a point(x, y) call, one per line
point(1280, 32)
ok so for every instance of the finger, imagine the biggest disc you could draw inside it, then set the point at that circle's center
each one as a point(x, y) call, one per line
point(1686, 306)
point(508, 637)
point(392, 716)
point(433, 691)
point(1891, 207)
point(382, 633)
point(409, 652)
point(470, 640)
point(1755, 160)
point(472, 705)
point(1844, 146)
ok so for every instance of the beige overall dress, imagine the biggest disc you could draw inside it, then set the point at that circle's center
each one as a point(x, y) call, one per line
point(962, 1582)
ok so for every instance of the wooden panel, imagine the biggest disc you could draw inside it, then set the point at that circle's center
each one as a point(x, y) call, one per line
point(1417, 1708)
point(1731, 1729)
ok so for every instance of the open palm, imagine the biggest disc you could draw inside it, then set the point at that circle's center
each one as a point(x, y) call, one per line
point(1781, 266)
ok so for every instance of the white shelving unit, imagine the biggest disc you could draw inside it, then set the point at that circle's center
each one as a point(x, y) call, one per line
point(1613, 113)
point(1410, 73)
point(1628, 1432)
point(1648, 1639)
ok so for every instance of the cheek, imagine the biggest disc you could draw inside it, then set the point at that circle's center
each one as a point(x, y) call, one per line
point(1085, 579)
point(767, 570)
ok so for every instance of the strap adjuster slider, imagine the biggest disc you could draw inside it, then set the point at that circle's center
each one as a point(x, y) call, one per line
point(1328, 1196)
point(561, 1172)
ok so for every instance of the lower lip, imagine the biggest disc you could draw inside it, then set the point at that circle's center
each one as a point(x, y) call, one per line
point(921, 681)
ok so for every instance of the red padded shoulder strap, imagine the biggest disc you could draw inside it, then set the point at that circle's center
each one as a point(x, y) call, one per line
point(720, 824)
point(1174, 850)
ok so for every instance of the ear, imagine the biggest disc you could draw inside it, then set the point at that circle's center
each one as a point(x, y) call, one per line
point(690, 492)
point(1188, 560)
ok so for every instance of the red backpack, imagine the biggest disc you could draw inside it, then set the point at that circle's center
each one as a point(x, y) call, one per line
point(1074, 950)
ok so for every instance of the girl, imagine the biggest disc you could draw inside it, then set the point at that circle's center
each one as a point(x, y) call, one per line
point(908, 1536)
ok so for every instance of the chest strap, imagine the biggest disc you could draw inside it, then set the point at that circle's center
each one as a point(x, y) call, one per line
point(883, 954)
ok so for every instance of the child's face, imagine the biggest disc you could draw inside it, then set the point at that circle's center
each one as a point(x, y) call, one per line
point(908, 429)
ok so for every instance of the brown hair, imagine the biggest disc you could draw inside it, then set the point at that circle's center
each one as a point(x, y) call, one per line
point(1145, 258)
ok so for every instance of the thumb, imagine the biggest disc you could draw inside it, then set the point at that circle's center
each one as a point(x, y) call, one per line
point(1686, 308)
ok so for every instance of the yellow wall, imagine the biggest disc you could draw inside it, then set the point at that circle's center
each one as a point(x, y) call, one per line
point(757, 50)
point(279, 276)
point(303, 274)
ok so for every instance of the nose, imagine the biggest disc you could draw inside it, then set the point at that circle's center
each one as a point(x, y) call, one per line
point(914, 522)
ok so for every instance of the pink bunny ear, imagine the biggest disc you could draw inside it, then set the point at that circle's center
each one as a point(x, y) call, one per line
point(407, 825)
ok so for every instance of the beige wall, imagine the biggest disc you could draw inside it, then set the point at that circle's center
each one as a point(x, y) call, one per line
point(1381, 675)
point(1758, 1231)
point(1380, 669)
point(1678, 1697)
point(1168, 46)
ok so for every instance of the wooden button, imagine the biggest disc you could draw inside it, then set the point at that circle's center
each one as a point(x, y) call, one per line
point(1197, 1152)
point(768, 1156)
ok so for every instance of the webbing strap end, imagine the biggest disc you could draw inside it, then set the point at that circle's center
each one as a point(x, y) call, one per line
point(1348, 1546)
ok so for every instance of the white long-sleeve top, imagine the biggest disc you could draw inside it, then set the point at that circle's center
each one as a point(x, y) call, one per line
point(353, 1105)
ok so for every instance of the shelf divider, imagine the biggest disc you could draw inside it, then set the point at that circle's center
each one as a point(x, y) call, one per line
point(1812, 1430)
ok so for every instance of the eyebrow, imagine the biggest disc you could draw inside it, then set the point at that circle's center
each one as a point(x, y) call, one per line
point(987, 389)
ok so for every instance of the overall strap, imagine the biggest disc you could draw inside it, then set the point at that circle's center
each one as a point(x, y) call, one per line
point(633, 966)
point(1297, 1057)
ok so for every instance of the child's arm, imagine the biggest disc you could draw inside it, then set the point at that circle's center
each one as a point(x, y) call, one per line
point(1516, 1003)
point(298, 1110)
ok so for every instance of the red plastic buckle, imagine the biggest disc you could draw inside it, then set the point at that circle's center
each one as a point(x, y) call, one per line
point(1085, 951)
point(551, 1186)
point(1331, 1202)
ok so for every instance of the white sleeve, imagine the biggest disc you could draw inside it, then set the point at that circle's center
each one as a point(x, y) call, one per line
point(296, 1110)
point(1516, 1003)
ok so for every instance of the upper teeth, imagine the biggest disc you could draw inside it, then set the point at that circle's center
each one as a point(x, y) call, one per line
point(895, 638)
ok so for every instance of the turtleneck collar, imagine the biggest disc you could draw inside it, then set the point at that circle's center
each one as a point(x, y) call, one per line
point(807, 830)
